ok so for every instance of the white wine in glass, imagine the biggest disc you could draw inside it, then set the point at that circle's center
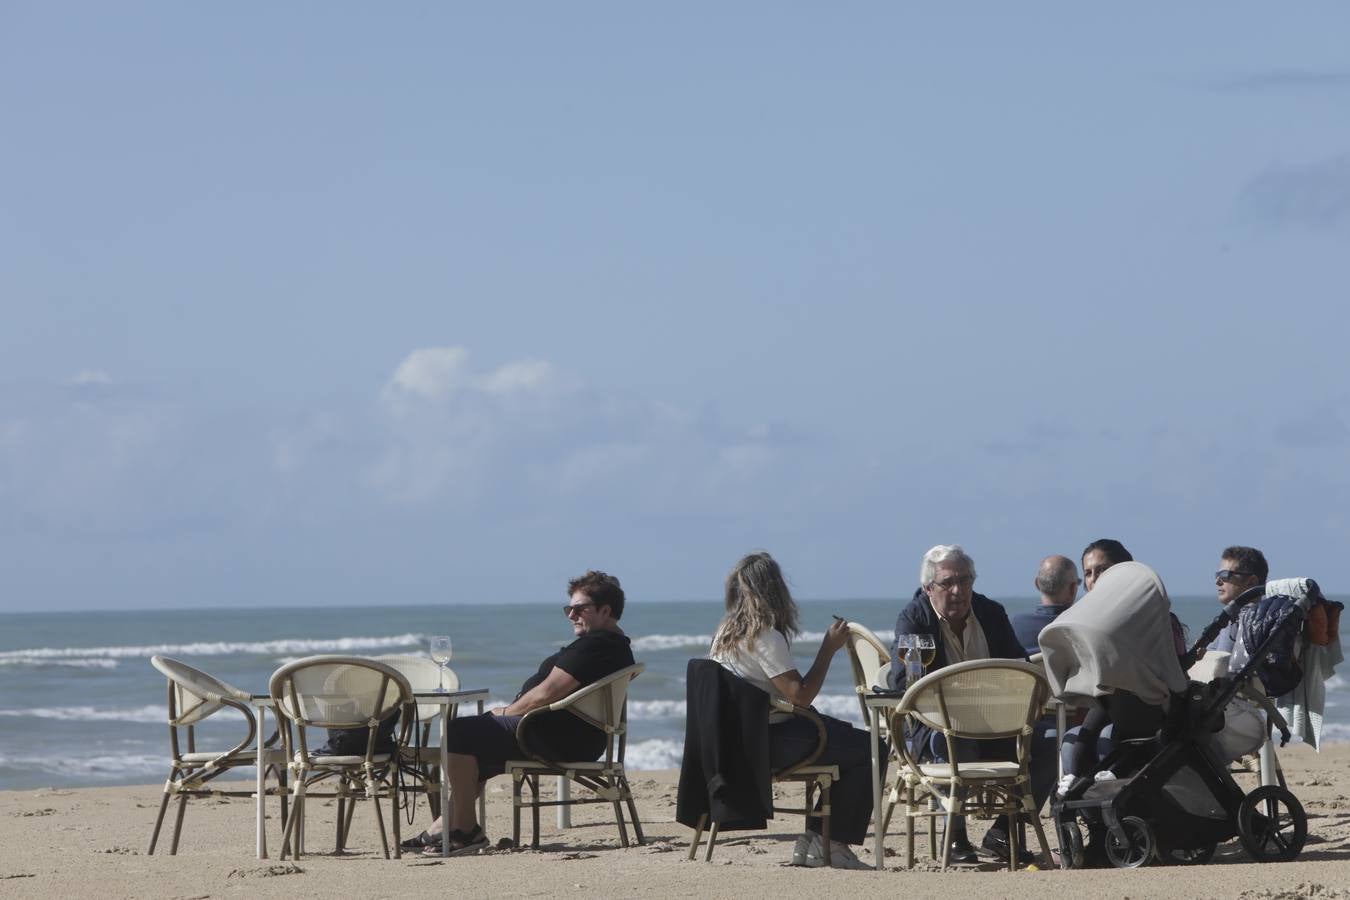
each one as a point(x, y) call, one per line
point(440, 655)
point(927, 649)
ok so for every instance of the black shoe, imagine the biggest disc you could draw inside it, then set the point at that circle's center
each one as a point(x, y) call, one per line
point(996, 844)
point(962, 852)
point(424, 839)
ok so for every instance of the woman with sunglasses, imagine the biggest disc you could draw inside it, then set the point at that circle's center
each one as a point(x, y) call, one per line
point(479, 746)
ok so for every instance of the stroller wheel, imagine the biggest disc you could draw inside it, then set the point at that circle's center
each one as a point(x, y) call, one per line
point(1070, 845)
point(1134, 852)
point(1271, 824)
point(1195, 856)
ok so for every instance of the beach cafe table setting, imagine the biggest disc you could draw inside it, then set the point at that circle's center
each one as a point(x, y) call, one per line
point(448, 701)
point(880, 704)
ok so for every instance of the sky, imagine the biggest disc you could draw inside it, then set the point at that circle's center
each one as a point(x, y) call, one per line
point(333, 303)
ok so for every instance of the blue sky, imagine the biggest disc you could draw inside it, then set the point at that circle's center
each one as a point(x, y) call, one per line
point(330, 303)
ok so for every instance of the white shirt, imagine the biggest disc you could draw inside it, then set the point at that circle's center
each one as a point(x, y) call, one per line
point(759, 660)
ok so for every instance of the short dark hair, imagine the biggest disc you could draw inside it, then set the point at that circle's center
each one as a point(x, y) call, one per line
point(1112, 549)
point(601, 589)
point(1249, 559)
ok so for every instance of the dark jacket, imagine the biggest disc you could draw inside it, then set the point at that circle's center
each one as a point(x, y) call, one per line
point(1027, 625)
point(725, 772)
point(919, 618)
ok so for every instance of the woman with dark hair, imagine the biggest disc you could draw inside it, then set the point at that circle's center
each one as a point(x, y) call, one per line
point(752, 642)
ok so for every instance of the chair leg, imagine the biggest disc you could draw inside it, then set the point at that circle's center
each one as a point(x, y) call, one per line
point(932, 827)
point(515, 809)
point(393, 814)
point(946, 834)
point(712, 842)
point(534, 810)
point(632, 811)
point(178, 823)
point(379, 821)
point(338, 842)
point(825, 823)
point(618, 812)
point(909, 826)
point(159, 820)
point(290, 837)
point(698, 833)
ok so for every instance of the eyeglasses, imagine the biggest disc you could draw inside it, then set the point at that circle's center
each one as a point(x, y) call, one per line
point(574, 609)
point(952, 584)
point(1230, 575)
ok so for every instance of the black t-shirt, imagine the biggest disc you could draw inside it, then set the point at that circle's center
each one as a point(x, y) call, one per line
point(587, 659)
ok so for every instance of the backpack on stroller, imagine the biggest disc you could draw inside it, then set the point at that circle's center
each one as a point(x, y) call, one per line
point(1172, 797)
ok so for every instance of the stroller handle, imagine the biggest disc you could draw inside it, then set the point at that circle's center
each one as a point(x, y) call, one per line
point(1220, 623)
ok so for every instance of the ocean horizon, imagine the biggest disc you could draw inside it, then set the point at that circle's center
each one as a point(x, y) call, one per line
point(80, 703)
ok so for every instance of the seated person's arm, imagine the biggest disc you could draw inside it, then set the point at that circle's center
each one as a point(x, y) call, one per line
point(556, 686)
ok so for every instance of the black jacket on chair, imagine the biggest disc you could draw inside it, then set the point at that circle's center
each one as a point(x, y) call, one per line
point(725, 772)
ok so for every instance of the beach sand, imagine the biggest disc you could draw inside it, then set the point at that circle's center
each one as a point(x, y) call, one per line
point(91, 842)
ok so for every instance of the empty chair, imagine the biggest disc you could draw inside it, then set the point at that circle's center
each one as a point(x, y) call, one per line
point(868, 655)
point(348, 692)
point(195, 696)
point(602, 704)
point(981, 700)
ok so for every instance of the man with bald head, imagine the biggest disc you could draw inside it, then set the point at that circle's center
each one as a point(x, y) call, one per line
point(1057, 581)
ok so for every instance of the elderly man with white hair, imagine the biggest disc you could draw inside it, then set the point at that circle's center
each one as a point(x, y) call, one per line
point(965, 626)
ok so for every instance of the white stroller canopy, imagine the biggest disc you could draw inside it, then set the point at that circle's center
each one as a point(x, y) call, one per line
point(1117, 638)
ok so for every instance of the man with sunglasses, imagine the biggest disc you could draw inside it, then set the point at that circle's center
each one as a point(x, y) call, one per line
point(480, 746)
point(1239, 569)
point(966, 626)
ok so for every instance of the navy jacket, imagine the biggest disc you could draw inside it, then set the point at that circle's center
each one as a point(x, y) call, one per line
point(1028, 625)
point(919, 618)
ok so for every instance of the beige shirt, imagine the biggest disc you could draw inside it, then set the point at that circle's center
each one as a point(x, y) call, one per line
point(971, 644)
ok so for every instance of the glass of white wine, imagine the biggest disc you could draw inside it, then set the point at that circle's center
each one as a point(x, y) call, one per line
point(927, 649)
point(439, 646)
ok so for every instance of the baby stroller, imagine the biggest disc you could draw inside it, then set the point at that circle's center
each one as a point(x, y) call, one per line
point(1173, 797)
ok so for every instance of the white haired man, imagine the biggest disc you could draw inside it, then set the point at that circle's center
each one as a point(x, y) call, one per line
point(965, 626)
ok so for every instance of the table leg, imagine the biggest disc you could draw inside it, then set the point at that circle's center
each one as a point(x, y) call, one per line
point(482, 794)
point(262, 784)
point(445, 781)
point(874, 729)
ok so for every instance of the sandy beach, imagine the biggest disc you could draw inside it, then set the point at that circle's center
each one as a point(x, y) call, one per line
point(92, 842)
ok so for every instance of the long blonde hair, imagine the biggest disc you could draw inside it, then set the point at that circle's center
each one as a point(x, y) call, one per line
point(757, 598)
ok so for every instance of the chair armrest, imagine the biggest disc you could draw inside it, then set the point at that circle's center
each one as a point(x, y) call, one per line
point(569, 703)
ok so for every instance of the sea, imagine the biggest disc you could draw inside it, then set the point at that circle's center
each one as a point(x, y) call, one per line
point(80, 703)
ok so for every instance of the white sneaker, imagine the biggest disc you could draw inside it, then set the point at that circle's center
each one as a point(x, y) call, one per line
point(810, 852)
point(1064, 784)
point(807, 848)
point(842, 857)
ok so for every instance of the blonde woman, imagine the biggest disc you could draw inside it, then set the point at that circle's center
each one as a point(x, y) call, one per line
point(753, 642)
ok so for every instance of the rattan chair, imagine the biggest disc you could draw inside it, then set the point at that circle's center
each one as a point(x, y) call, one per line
point(981, 700)
point(349, 692)
point(604, 705)
point(868, 659)
point(814, 778)
point(195, 696)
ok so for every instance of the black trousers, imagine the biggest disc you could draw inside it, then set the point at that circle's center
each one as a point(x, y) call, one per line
point(846, 747)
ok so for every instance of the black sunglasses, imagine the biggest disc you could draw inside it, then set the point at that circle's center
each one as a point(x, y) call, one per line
point(1230, 574)
point(570, 608)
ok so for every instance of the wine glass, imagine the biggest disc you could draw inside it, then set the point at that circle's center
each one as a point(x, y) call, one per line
point(927, 649)
point(440, 655)
point(904, 644)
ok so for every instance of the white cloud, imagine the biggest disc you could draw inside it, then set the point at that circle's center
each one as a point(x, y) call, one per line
point(431, 373)
point(517, 377)
point(88, 377)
